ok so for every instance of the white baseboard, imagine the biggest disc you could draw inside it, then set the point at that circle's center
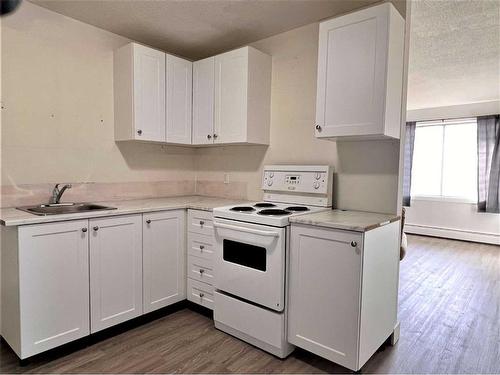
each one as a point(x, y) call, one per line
point(456, 234)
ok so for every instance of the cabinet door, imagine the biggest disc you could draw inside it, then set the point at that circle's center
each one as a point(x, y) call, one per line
point(203, 101)
point(231, 92)
point(179, 99)
point(149, 94)
point(164, 254)
point(54, 284)
point(115, 270)
point(352, 74)
point(324, 295)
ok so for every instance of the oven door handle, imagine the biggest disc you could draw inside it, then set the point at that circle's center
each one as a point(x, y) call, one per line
point(247, 230)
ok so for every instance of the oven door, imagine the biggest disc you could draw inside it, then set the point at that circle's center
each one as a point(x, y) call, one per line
point(250, 262)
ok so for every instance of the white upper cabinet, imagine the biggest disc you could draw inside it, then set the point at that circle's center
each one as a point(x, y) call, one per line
point(219, 100)
point(360, 74)
point(139, 93)
point(179, 81)
point(242, 96)
point(203, 101)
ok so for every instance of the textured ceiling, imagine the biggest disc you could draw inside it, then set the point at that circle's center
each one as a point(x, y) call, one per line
point(200, 28)
point(454, 52)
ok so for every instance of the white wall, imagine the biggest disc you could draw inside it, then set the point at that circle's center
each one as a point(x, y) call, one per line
point(450, 219)
point(58, 121)
point(453, 73)
point(366, 173)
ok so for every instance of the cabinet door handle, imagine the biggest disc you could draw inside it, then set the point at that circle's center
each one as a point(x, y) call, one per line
point(202, 222)
point(202, 247)
point(202, 295)
point(139, 132)
point(148, 221)
point(201, 271)
point(84, 230)
point(215, 136)
point(318, 128)
point(209, 136)
point(354, 243)
point(96, 228)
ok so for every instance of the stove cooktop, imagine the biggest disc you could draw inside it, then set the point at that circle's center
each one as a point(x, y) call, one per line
point(267, 213)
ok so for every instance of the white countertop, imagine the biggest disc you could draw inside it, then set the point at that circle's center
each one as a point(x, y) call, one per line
point(358, 221)
point(14, 217)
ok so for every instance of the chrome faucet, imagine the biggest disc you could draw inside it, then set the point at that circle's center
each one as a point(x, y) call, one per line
point(57, 193)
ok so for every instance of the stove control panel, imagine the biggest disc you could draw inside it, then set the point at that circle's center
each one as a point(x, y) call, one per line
point(297, 179)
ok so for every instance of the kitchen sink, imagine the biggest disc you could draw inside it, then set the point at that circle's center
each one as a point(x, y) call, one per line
point(63, 208)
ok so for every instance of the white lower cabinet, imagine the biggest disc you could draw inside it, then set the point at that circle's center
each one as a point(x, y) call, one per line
point(164, 256)
point(200, 253)
point(343, 291)
point(45, 285)
point(200, 293)
point(63, 281)
point(115, 270)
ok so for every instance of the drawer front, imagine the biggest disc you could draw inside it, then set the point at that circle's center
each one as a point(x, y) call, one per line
point(200, 269)
point(201, 246)
point(200, 222)
point(200, 293)
point(263, 324)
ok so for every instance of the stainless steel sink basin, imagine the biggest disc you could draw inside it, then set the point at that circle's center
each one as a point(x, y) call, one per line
point(63, 208)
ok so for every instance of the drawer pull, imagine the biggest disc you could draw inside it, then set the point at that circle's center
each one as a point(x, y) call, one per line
point(202, 295)
point(202, 247)
point(96, 228)
point(201, 271)
point(148, 221)
point(84, 230)
point(202, 222)
point(354, 243)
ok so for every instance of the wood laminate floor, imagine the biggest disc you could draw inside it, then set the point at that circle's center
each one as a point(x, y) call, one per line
point(448, 308)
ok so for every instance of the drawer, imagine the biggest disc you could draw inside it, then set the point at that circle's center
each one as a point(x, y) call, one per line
point(200, 293)
point(249, 320)
point(201, 246)
point(200, 222)
point(200, 269)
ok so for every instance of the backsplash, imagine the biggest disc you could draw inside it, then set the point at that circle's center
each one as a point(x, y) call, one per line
point(28, 194)
point(22, 195)
point(232, 190)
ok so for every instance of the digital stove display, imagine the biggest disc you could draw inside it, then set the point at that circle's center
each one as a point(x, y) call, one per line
point(292, 179)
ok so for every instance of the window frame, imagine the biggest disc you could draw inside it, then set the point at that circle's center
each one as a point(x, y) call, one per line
point(444, 198)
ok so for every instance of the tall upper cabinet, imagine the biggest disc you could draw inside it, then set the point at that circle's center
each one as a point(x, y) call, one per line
point(152, 94)
point(179, 80)
point(232, 98)
point(203, 101)
point(360, 74)
point(139, 93)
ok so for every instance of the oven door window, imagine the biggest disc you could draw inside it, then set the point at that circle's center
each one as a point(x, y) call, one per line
point(244, 254)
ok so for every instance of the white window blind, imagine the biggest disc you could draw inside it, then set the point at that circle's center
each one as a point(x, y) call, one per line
point(445, 159)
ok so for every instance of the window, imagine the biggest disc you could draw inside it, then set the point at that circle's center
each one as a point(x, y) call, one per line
point(445, 159)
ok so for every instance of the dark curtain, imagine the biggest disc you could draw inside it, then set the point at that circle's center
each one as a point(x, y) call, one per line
point(488, 163)
point(408, 161)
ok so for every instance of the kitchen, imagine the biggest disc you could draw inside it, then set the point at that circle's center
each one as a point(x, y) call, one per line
point(169, 146)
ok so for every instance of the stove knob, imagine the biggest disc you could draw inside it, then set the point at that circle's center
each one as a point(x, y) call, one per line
point(316, 185)
point(269, 182)
point(318, 176)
